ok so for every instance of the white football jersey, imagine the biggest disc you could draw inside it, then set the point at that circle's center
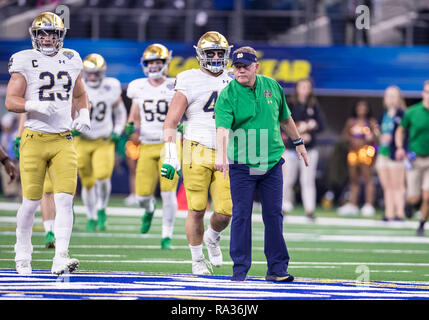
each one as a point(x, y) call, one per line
point(48, 79)
point(102, 100)
point(153, 104)
point(201, 91)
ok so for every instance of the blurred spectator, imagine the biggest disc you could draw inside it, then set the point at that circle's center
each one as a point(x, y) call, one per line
point(360, 131)
point(9, 125)
point(310, 120)
point(415, 122)
point(390, 171)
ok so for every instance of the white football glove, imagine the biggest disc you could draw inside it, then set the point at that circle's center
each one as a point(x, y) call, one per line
point(171, 163)
point(44, 107)
point(83, 122)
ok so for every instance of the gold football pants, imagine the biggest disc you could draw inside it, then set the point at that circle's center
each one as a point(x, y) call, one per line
point(42, 152)
point(95, 160)
point(148, 171)
point(200, 178)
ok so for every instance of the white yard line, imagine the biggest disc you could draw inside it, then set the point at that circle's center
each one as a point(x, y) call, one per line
point(325, 221)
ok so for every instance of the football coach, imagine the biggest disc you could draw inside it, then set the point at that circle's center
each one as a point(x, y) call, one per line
point(248, 113)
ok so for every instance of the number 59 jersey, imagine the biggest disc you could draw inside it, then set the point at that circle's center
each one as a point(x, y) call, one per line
point(49, 79)
point(153, 104)
point(102, 100)
point(201, 91)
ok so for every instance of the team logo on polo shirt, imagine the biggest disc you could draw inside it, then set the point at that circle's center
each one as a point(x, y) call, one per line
point(268, 95)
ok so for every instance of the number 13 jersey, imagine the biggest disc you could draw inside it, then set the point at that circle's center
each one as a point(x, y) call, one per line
point(153, 105)
point(49, 79)
point(102, 100)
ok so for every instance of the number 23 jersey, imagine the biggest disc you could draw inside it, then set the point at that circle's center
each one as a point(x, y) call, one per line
point(49, 79)
point(153, 105)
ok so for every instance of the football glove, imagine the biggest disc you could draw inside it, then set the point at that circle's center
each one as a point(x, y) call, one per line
point(75, 133)
point(44, 107)
point(83, 122)
point(16, 145)
point(181, 128)
point(115, 137)
point(129, 128)
point(171, 163)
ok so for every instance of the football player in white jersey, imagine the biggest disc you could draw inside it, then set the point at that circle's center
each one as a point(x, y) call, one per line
point(96, 148)
point(151, 97)
point(195, 97)
point(45, 82)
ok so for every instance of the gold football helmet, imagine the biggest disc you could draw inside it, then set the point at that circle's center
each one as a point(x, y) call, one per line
point(153, 52)
point(94, 69)
point(47, 24)
point(212, 40)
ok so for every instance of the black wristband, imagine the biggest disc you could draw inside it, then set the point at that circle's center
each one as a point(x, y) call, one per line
point(4, 160)
point(298, 142)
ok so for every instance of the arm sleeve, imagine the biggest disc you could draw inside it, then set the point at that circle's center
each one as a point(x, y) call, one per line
point(223, 111)
point(284, 111)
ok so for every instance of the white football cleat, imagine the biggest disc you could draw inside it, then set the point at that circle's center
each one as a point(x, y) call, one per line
point(367, 210)
point(23, 267)
point(202, 267)
point(64, 264)
point(213, 249)
point(348, 210)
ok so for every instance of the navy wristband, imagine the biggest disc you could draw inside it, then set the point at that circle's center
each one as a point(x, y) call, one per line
point(298, 142)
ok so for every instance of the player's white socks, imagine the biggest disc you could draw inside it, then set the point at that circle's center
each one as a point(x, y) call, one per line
point(197, 252)
point(169, 209)
point(103, 189)
point(147, 202)
point(24, 228)
point(63, 221)
point(89, 199)
point(212, 234)
point(49, 225)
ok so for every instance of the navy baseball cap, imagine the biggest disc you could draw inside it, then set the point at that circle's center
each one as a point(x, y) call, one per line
point(245, 58)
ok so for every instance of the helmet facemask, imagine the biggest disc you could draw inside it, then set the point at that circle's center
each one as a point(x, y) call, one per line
point(154, 71)
point(93, 78)
point(54, 37)
point(207, 59)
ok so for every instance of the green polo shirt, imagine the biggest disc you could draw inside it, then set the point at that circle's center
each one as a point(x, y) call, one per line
point(416, 120)
point(254, 116)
